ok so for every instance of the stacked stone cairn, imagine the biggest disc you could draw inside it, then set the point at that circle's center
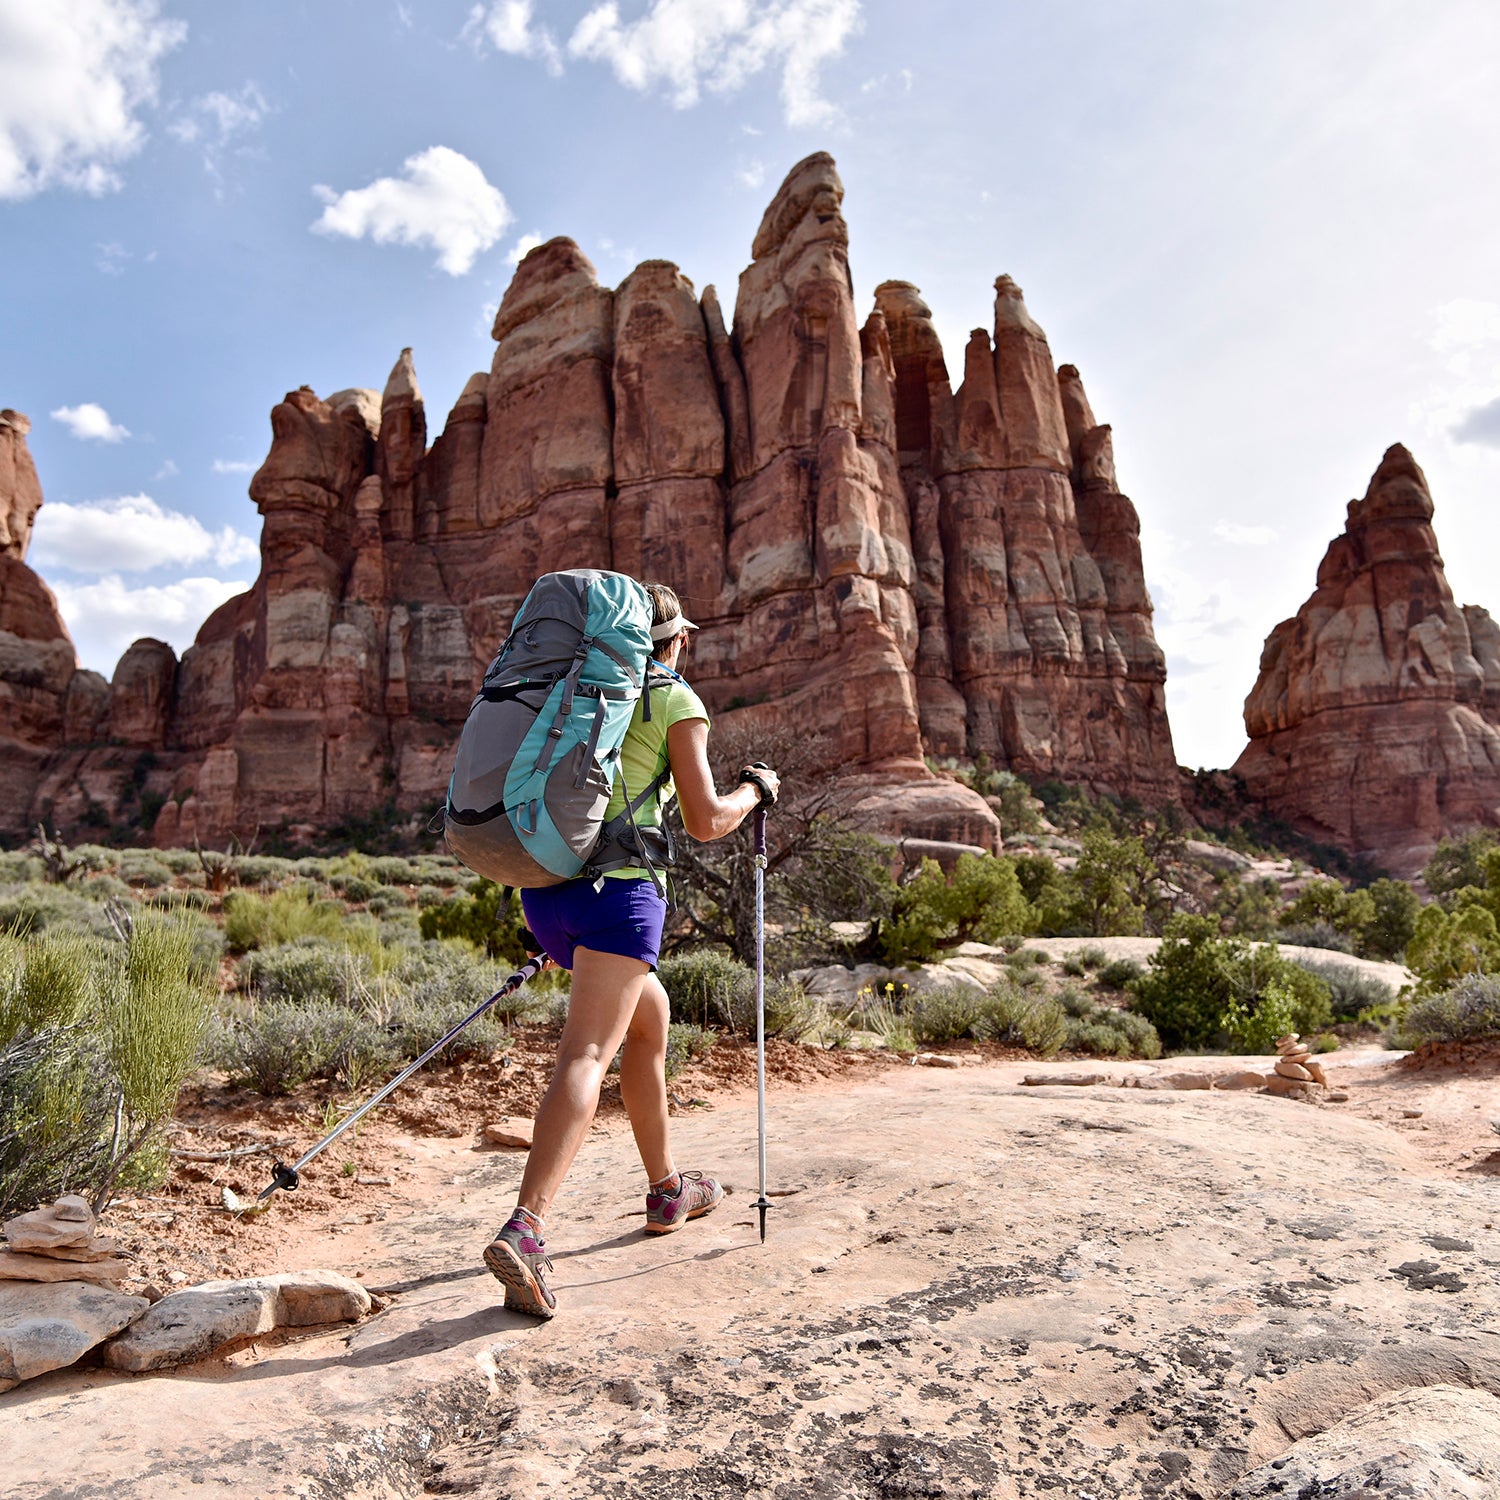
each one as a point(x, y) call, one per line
point(1296, 1075)
point(60, 1244)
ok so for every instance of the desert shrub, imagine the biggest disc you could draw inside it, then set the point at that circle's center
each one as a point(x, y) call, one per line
point(1460, 862)
point(1108, 890)
point(1103, 1031)
point(387, 900)
point(790, 1012)
point(1446, 945)
point(180, 861)
point(143, 868)
point(1248, 909)
point(295, 911)
point(180, 898)
point(1203, 990)
point(283, 1044)
point(1026, 958)
point(390, 869)
point(1016, 1019)
point(355, 887)
point(891, 1024)
point(305, 972)
point(979, 902)
point(1353, 994)
point(490, 917)
point(455, 979)
point(420, 1019)
point(1072, 965)
point(39, 908)
point(686, 1043)
point(944, 1013)
point(1119, 973)
point(262, 869)
point(707, 984)
point(105, 887)
point(1317, 934)
point(1467, 1011)
point(1255, 1023)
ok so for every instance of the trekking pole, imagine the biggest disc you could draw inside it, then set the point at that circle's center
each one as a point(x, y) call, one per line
point(761, 1203)
point(284, 1176)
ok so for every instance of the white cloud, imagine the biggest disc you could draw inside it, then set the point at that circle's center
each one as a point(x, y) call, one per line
point(522, 248)
point(508, 26)
point(216, 121)
point(91, 422)
point(1460, 396)
point(74, 77)
point(105, 616)
point(168, 470)
point(232, 466)
point(441, 200)
point(131, 535)
point(1481, 425)
point(1244, 536)
point(685, 46)
point(752, 174)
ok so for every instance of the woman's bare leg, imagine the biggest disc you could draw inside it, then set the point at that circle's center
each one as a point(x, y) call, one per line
point(605, 995)
point(643, 1079)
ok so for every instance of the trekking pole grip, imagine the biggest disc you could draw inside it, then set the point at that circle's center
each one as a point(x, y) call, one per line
point(760, 832)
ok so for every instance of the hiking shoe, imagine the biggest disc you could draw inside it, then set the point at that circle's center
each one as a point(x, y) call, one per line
point(696, 1196)
point(515, 1259)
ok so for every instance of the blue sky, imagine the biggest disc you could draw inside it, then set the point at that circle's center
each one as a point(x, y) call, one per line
point(1267, 234)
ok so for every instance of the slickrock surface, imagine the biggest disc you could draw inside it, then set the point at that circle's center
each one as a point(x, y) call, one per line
point(1375, 722)
point(907, 569)
point(969, 1288)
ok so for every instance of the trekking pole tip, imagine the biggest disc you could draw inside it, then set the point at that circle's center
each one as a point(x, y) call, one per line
point(282, 1176)
point(761, 1205)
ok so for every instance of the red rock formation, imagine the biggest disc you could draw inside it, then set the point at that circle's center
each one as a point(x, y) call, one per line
point(1375, 722)
point(906, 571)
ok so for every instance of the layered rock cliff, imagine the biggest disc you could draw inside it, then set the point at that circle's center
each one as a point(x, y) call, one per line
point(903, 569)
point(1375, 722)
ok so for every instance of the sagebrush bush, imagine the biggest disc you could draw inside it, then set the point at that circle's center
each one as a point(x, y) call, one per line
point(1317, 935)
point(944, 1012)
point(283, 1044)
point(686, 1043)
point(706, 984)
point(306, 971)
point(38, 908)
point(1467, 1011)
point(1353, 994)
point(1016, 1019)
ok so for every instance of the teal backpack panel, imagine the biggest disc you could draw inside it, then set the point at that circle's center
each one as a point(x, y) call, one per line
point(539, 752)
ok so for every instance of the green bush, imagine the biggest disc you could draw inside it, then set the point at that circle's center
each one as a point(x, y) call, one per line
point(38, 908)
point(421, 1019)
point(455, 980)
point(1467, 1011)
point(979, 902)
point(389, 869)
point(355, 888)
point(1119, 973)
point(1103, 1031)
point(707, 984)
point(1460, 862)
point(305, 972)
point(255, 921)
point(1205, 990)
point(1446, 945)
point(144, 868)
point(283, 1044)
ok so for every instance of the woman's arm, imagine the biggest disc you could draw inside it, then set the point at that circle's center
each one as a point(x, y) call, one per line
point(705, 814)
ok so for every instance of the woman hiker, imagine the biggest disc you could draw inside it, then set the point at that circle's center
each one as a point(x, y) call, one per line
point(610, 936)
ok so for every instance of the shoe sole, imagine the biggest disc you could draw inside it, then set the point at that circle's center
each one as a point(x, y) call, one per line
point(523, 1292)
point(652, 1227)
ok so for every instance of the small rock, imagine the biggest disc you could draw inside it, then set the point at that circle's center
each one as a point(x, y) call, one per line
point(1295, 1070)
point(1411, 1114)
point(1189, 1080)
point(1288, 1088)
point(363, 1181)
point(72, 1209)
point(96, 1249)
point(48, 1327)
point(513, 1133)
point(1244, 1080)
point(46, 1229)
point(937, 1060)
point(1068, 1080)
point(1337, 1097)
point(15, 1266)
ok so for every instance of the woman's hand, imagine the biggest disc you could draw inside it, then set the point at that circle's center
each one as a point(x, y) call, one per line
point(759, 775)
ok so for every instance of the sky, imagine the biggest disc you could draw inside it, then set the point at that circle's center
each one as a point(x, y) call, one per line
point(1266, 233)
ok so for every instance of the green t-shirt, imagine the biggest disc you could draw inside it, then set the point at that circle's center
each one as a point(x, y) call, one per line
point(643, 755)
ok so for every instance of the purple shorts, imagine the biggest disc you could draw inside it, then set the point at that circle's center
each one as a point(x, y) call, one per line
point(625, 918)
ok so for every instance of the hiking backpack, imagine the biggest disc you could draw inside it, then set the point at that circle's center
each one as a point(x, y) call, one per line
point(540, 750)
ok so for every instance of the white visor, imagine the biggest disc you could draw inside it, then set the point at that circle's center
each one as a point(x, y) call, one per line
point(668, 628)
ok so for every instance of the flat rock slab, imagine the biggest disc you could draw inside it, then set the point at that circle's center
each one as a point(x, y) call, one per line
point(200, 1320)
point(67, 1223)
point(15, 1266)
point(968, 1287)
point(48, 1326)
point(1441, 1443)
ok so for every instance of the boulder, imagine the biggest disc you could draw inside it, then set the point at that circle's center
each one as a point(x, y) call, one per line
point(1375, 721)
point(46, 1328)
point(1441, 1442)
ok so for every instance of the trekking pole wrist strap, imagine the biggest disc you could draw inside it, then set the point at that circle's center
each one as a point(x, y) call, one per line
point(751, 777)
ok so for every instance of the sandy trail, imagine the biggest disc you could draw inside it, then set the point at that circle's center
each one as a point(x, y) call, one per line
point(970, 1287)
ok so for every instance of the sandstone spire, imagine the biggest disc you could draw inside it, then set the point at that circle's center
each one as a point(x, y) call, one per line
point(1375, 721)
